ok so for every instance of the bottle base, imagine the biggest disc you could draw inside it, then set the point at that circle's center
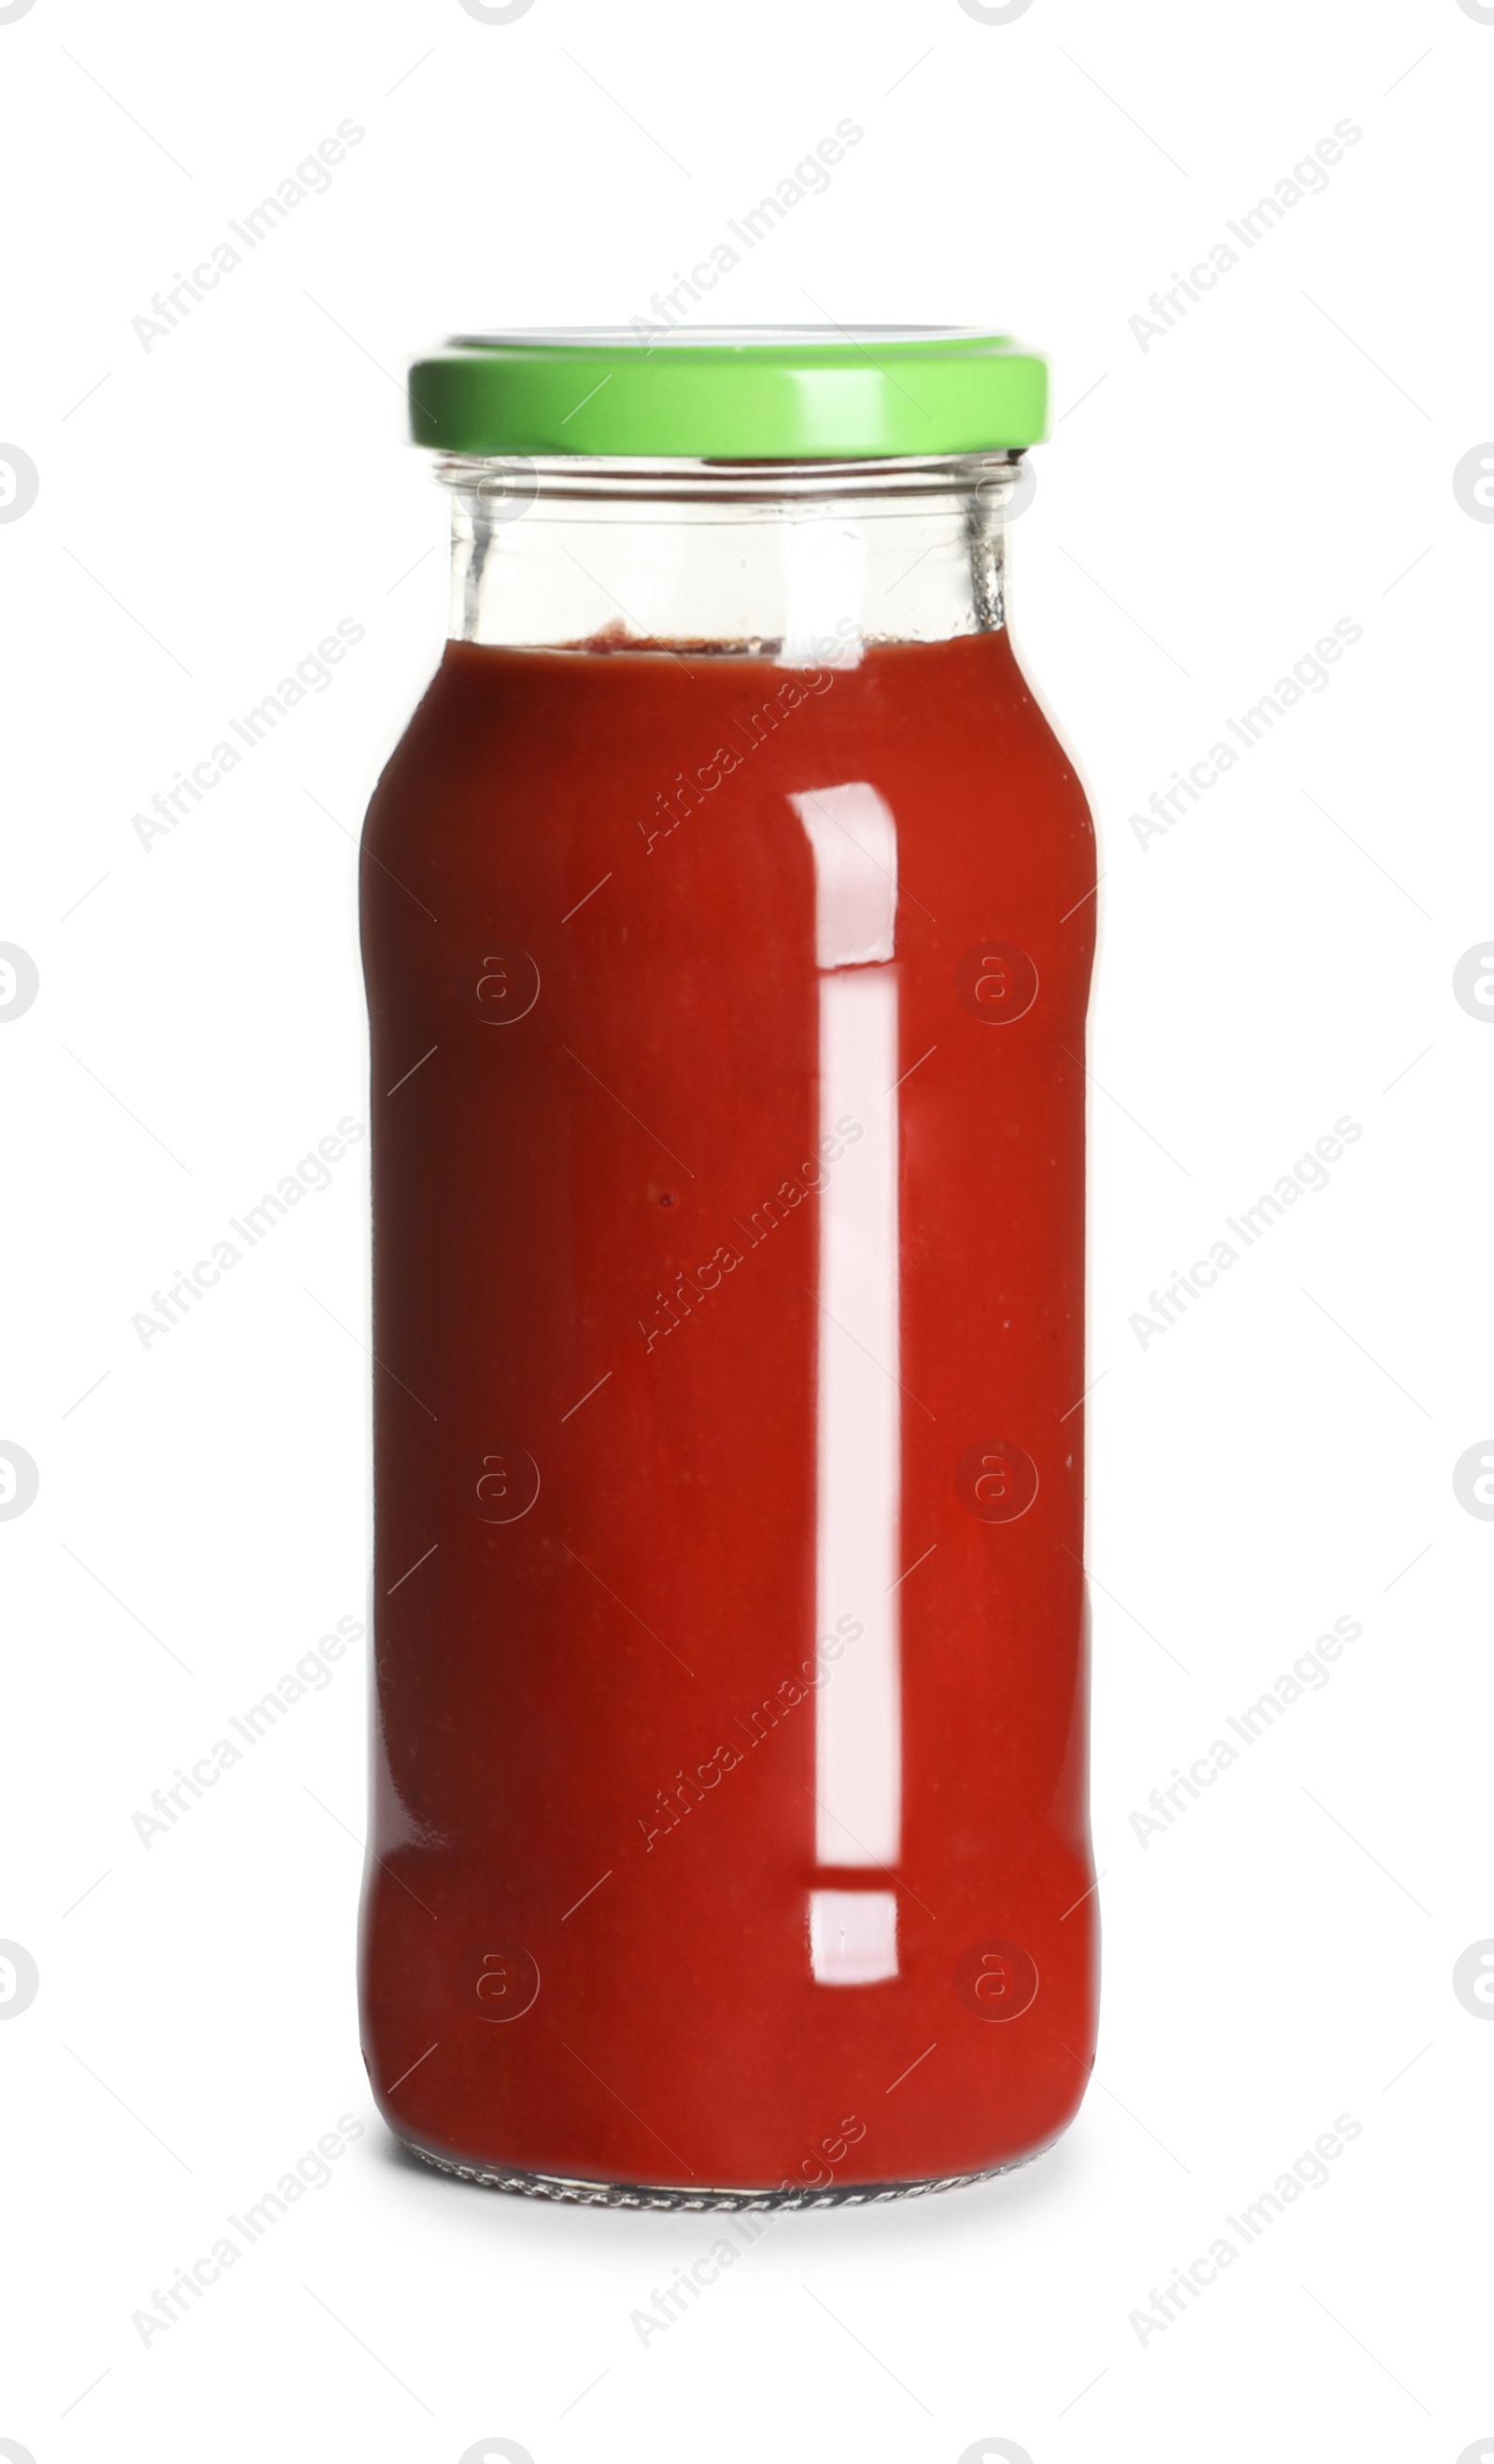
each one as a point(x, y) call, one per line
point(642, 2194)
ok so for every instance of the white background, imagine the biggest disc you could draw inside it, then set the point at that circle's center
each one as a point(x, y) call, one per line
point(1209, 506)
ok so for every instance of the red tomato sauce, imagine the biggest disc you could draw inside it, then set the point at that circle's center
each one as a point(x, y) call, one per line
point(614, 1928)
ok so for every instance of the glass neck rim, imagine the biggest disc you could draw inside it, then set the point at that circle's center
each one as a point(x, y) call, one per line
point(596, 478)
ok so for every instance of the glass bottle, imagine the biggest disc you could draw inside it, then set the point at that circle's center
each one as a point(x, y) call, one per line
point(727, 928)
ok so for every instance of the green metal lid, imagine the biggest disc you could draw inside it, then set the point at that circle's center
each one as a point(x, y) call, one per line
point(734, 394)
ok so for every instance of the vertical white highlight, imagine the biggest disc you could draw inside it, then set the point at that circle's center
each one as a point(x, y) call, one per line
point(859, 1711)
point(854, 839)
point(852, 1936)
point(824, 574)
point(859, 1758)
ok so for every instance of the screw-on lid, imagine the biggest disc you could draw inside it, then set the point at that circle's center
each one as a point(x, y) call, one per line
point(731, 393)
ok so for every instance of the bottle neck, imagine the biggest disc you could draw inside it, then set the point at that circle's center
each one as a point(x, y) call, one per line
point(803, 563)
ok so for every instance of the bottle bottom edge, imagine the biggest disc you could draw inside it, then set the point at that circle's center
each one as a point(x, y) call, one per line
point(578, 2192)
